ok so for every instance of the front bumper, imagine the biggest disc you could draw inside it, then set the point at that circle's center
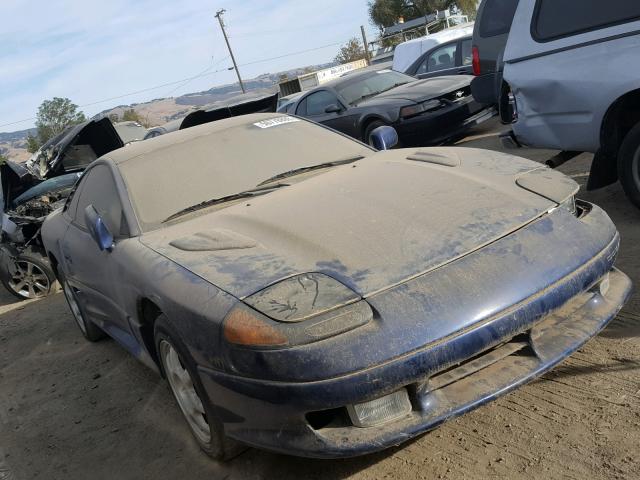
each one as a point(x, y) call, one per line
point(271, 415)
point(443, 125)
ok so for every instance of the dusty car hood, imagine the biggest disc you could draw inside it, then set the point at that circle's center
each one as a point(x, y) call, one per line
point(371, 225)
point(422, 90)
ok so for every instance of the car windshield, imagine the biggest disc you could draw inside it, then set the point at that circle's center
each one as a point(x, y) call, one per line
point(381, 81)
point(232, 156)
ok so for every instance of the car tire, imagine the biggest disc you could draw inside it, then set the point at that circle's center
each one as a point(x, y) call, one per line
point(29, 276)
point(179, 368)
point(369, 129)
point(629, 165)
point(89, 330)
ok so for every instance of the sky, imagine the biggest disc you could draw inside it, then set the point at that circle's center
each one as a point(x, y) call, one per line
point(92, 50)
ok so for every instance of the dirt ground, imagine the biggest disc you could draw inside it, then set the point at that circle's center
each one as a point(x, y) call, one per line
point(73, 410)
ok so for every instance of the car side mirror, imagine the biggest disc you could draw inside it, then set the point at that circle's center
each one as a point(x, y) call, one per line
point(98, 229)
point(384, 138)
point(333, 108)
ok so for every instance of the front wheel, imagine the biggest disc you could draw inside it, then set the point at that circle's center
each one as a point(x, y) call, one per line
point(629, 165)
point(181, 373)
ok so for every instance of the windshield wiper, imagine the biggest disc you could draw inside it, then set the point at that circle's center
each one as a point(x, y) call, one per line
point(229, 198)
point(298, 171)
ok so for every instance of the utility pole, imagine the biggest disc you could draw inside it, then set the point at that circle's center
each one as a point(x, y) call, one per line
point(365, 44)
point(226, 39)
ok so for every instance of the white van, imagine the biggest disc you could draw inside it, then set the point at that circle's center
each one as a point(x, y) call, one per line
point(407, 53)
point(572, 74)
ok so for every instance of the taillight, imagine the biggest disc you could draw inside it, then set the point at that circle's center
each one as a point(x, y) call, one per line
point(476, 61)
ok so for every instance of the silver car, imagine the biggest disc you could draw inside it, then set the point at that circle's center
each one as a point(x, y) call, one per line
point(572, 76)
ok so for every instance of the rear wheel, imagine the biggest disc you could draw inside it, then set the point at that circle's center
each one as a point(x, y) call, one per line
point(29, 276)
point(181, 373)
point(629, 165)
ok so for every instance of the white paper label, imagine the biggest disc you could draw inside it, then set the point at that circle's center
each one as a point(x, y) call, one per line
point(274, 122)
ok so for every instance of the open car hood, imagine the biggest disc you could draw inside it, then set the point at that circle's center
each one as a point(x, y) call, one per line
point(371, 225)
point(74, 149)
point(69, 152)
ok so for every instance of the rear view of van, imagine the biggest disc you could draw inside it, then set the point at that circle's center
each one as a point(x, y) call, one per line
point(490, 35)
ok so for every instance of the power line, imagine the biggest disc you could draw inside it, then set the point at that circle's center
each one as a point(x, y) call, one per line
point(189, 79)
point(288, 30)
point(293, 53)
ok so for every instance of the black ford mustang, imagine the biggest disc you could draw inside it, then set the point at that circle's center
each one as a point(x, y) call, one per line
point(424, 112)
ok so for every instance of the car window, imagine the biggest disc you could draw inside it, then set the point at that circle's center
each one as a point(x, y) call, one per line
point(440, 59)
point(317, 102)
point(561, 18)
point(78, 157)
point(467, 52)
point(302, 108)
point(99, 189)
point(373, 84)
point(497, 17)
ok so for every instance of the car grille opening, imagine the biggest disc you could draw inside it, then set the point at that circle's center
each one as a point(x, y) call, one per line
point(334, 418)
point(457, 95)
point(519, 345)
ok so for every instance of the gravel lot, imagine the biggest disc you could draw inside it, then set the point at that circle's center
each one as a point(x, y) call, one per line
point(73, 410)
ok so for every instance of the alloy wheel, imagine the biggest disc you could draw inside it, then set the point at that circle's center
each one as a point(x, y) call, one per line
point(184, 392)
point(29, 280)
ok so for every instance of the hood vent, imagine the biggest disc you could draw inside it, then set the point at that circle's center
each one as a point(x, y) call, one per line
point(213, 240)
point(436, 158)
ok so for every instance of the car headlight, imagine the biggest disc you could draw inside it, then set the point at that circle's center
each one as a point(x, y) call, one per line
point(413, 110)
point(296, 311)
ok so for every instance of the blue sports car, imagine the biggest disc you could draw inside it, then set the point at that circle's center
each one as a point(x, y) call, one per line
point(307, 294)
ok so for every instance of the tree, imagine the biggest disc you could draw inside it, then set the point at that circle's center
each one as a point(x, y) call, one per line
point(3, 159)
point(130, 115)
point(32, 144)
point(53, 117)
point(350, 52)
point(385, 13)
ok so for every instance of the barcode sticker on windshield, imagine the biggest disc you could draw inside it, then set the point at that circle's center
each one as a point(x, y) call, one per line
point(274, 122)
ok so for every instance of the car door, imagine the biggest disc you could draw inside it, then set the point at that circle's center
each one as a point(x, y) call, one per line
point(314, 106)
point(443, 60)
point(90, 271)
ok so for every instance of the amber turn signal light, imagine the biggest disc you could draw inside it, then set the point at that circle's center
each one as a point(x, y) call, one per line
point(242, 327)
